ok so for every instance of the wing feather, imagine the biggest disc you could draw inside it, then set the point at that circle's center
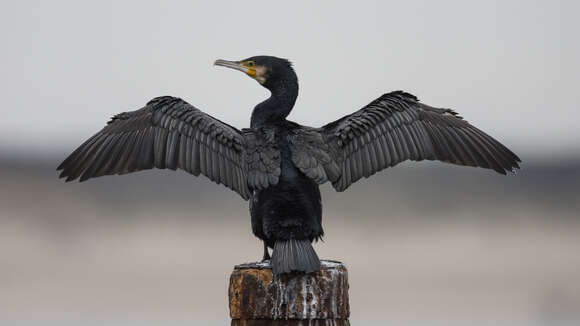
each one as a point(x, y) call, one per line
point(166, 133)
point(396, 127)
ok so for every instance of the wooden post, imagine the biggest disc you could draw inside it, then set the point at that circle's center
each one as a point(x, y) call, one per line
point(315, 299)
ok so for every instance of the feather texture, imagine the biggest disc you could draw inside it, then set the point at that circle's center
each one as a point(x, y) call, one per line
point(170, 133)
point(166, 133)
point(396, 127)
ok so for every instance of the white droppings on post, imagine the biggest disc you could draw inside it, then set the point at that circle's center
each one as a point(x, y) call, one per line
point(263, 264)
point(314, 308)
point(317, 296)
point(304, 293)
point(331, 264)
point(334, 277)
point(279, 299)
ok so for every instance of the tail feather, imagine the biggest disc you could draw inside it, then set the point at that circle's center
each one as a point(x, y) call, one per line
point(294, 256)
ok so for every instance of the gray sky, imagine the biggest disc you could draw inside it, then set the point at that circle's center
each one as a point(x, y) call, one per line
point(512, 68)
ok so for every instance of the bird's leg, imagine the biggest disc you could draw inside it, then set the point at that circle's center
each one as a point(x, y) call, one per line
point(266, 253)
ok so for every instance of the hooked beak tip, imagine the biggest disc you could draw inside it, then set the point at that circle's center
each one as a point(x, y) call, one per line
point(230, 64)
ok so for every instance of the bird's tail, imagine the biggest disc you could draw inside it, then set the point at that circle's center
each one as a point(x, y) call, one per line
point(294, 256)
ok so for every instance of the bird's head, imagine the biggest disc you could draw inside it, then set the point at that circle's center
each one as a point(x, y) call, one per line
point(267, 70)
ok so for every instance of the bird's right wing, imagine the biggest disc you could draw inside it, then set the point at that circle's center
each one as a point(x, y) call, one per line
point(167, 133)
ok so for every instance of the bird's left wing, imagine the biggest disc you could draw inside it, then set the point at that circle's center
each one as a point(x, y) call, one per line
point(167, 133)
point(396, 127)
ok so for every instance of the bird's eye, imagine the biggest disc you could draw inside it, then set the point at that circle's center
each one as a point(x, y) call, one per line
point(251, 63)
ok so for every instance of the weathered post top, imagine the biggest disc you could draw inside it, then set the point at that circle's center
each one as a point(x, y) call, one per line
point(320, 298)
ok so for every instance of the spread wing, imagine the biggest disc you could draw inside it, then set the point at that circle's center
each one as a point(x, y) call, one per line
point(167, 133)
point(396, 127)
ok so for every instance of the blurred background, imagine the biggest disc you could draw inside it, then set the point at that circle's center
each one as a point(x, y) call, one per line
point(426, 243)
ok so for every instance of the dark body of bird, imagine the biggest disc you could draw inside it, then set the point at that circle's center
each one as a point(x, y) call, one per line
point(277, 164)
point(290, 210)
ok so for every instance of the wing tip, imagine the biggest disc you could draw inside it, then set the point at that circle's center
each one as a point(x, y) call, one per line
point(67, 178)
point(511, 169)
point(515, 168)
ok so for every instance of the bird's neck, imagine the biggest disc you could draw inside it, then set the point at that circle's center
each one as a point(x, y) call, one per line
point(278, 106)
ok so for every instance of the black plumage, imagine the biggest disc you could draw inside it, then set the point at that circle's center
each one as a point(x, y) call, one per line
point(277, 164)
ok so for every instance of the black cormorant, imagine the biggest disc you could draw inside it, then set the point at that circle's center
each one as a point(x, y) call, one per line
point(278, 164)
